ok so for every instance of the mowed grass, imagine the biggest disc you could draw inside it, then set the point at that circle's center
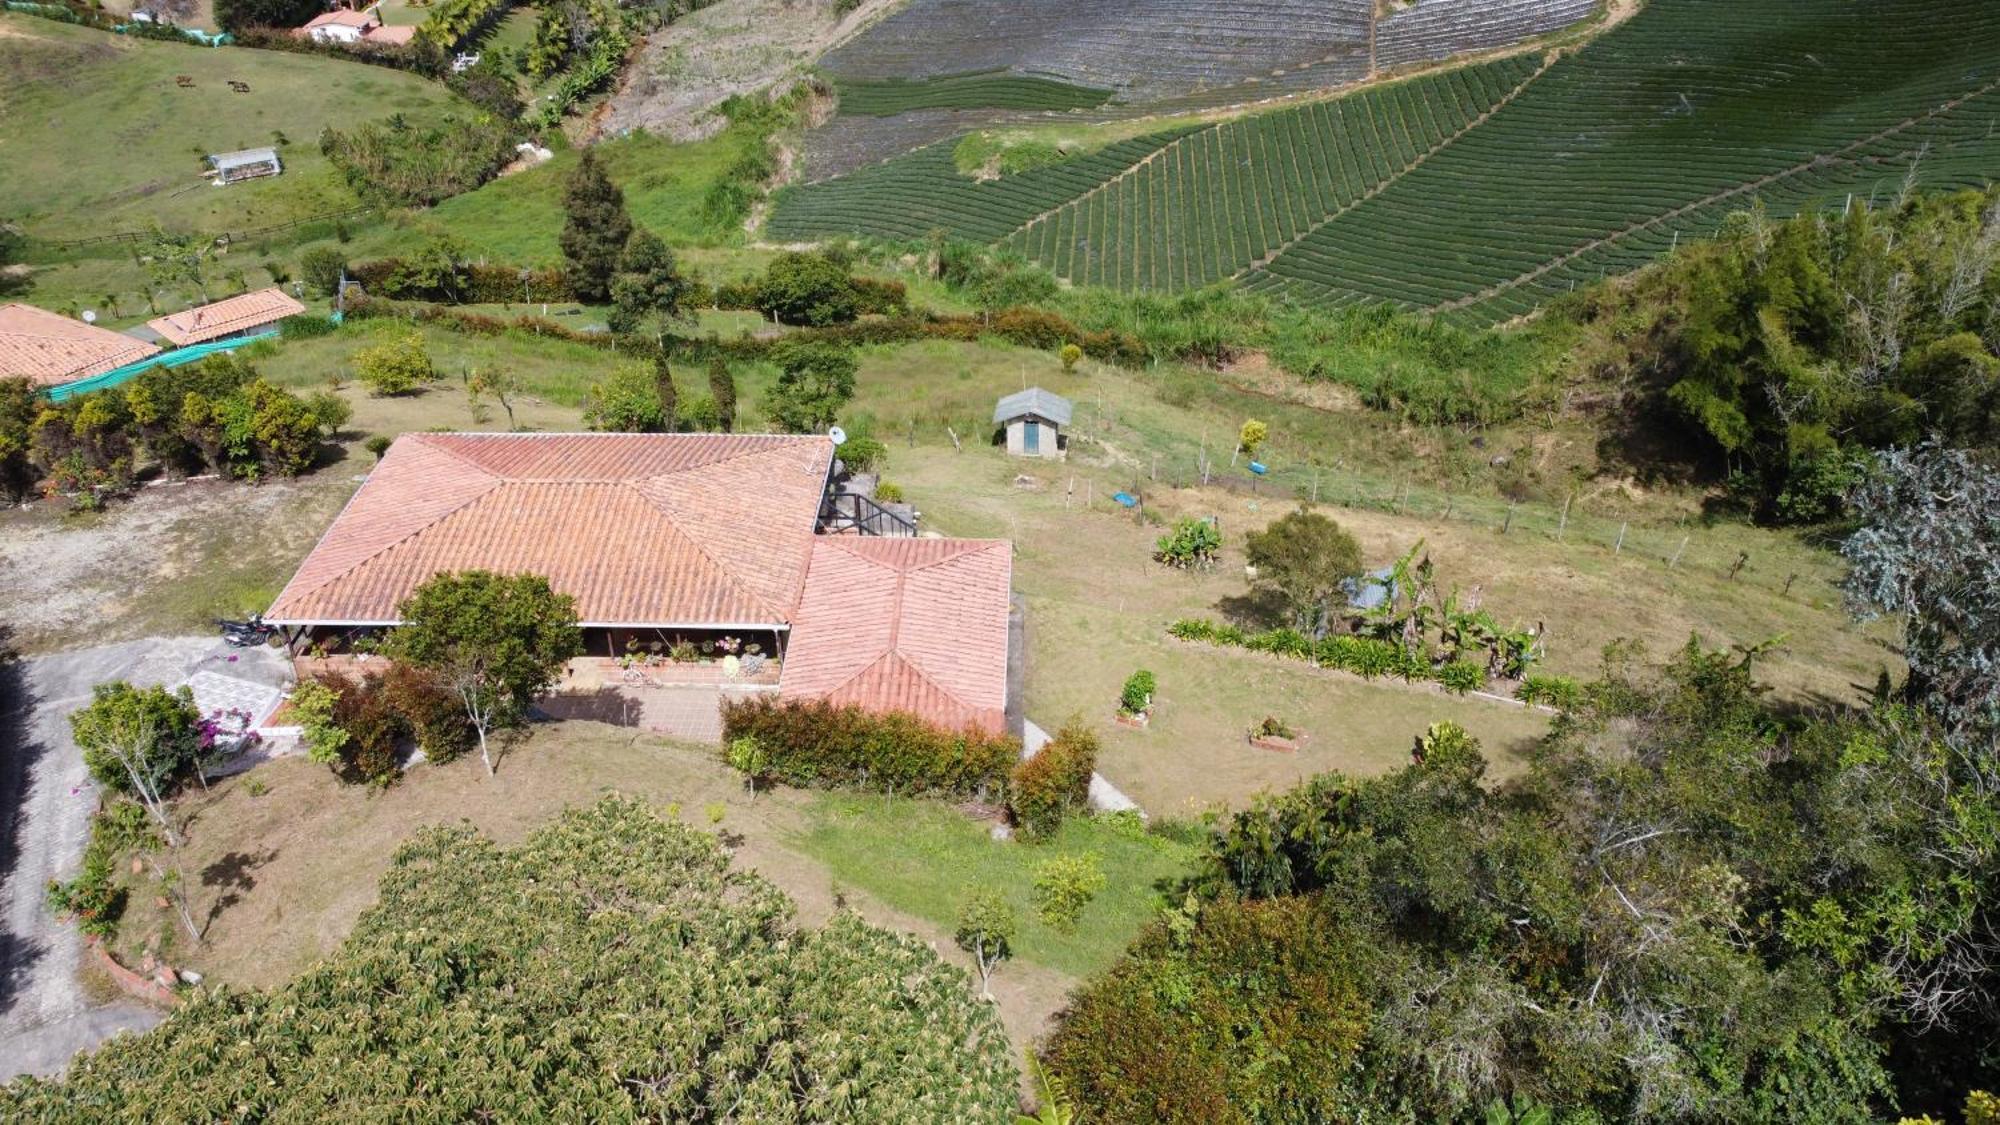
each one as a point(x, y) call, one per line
point(283, 859)
point(95, 135)
point(926, 858)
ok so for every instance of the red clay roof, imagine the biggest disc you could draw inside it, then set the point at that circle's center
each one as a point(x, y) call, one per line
point(226, 317)
point(643, 529)
point(340, 17)
point(916, 625)
point(50, 348)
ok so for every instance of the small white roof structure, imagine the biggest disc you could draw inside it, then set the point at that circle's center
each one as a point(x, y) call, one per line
point(241, 158)
point(1037, 402)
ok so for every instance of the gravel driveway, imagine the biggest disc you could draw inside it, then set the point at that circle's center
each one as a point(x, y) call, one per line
point(45, 804)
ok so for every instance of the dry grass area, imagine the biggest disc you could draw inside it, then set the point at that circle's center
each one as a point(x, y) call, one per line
point(283, 859)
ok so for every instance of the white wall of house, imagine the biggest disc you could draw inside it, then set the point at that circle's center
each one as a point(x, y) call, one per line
point(336, 33)
point(1034, 437)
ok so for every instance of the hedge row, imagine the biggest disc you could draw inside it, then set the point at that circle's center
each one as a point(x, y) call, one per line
point(873, 296)
point(1032, 328)
point(1367, 657)
point(816, 744)
point(475, 284)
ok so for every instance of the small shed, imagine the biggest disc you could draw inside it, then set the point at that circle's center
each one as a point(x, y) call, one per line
point(1034, 419)
point(245, 164)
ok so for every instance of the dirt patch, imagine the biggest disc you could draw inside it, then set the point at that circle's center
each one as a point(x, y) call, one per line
point(170, 558)
point(689, 68)
point(1255, 373)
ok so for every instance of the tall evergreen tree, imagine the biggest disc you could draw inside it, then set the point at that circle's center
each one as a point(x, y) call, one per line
point(595, 228)
point(663, 383)
point(722, 388)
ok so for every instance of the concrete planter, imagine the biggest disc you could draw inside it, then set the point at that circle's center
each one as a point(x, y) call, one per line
point(1137, 722)
point(1282, 745)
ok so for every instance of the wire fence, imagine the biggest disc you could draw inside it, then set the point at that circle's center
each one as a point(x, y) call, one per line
point(1147, 463)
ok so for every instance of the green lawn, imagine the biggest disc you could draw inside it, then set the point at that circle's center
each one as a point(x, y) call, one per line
point(96, 136)
point(924, 858)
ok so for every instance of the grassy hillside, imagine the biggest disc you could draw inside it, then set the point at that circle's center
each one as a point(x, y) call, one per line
point(1485, 191)
point(97, 136)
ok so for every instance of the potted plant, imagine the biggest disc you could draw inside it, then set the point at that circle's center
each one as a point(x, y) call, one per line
point(1273, 733)
point(1135, 700)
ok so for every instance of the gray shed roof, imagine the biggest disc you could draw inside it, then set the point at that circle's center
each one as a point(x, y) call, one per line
point(1037, 402)
point(224, 161)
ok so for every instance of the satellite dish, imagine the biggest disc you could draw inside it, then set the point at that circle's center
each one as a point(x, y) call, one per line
point(89, 316)
point(838, 435)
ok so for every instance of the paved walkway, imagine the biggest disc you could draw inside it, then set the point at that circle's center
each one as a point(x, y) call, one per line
point(46, 798)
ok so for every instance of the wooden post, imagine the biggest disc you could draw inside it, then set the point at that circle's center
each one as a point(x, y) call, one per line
point(1070, 491)
point(1562, 525)
point(1089, 491)
point(1793, 577)
point(913, 431)
point(1508, 525)
point(956, 448)
point(1449, 500)
point(1676, 560)
point(1619, 547)
point(1156, 468)
point(1315, 484)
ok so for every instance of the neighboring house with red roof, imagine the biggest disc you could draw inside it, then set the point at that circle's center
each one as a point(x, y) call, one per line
point(242, 315)
point(51, 349)
point(344, 26)
point(705, 543)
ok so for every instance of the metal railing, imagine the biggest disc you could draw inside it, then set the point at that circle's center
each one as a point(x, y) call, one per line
point(850, 513)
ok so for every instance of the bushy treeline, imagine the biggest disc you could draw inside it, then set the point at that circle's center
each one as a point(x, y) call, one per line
point(1797, 349)
point(611, 967)
point(214, 416)
point(397, 163)
point(817, 744)
point(1690, 908)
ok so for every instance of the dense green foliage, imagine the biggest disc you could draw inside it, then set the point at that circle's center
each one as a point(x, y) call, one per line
point(236, 15)
point(400, 164)
point(1690, 908)
point(628, 401)
point(817, 744)
point(398, 366)
point(1800, 347)
point(93, 899)
point(649, 286)
point(1191, 545)
point(1308, 561)
point(611, 967)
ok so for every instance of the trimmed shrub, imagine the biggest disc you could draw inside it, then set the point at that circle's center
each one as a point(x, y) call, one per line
point(1064, 886)
point(431, 711)
point(1560, 692)
point(815, 744)
point(361, 710)
point(1136, 697)
point(305, 326)
point(395, 367)
point(1055, 782)
point(1461, 676)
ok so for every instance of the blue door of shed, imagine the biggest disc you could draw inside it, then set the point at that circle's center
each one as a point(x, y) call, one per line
point(1031, 436)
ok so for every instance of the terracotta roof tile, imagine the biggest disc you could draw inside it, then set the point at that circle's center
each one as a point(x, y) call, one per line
point(50, 348)
point(653, 529)
point(226, 317)
point(915, 625)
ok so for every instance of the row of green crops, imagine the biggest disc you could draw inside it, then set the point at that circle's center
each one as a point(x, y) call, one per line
point(1403, 195)
point(886, 97)
point(1214, 202)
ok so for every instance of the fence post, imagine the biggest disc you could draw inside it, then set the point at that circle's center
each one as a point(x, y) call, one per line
point(1619, 548)
point(1562, 525)
point(1315, 484)
point(1676, 560)
point(1508, 524)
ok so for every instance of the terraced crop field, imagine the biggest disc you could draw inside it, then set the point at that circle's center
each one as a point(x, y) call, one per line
point(997, 89)
point(1482, 191)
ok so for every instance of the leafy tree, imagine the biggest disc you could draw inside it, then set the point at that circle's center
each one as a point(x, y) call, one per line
point(748, 757)
point(627, 401)
point(987, 927)
point(649, 284)
point(1251, 437)
point(1308, 559)
point(399, 164)
point(610, 967)
point(815, 383)
point(321, 268)
point(435, 268)
point(663, 389)
point(501, 385)
point(1071, 355)
point(722, 388)
point(810, 289)
point(595, 228)
point(397, 366)
point(495, 640)
point(20, 404)
point(144, 742)
point(172, 259)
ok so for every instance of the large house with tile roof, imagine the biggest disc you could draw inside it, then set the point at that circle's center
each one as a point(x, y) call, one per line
point(51, 349)
point(703, 543)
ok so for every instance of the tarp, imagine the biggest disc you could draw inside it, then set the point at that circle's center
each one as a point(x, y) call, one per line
point(179, 357)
